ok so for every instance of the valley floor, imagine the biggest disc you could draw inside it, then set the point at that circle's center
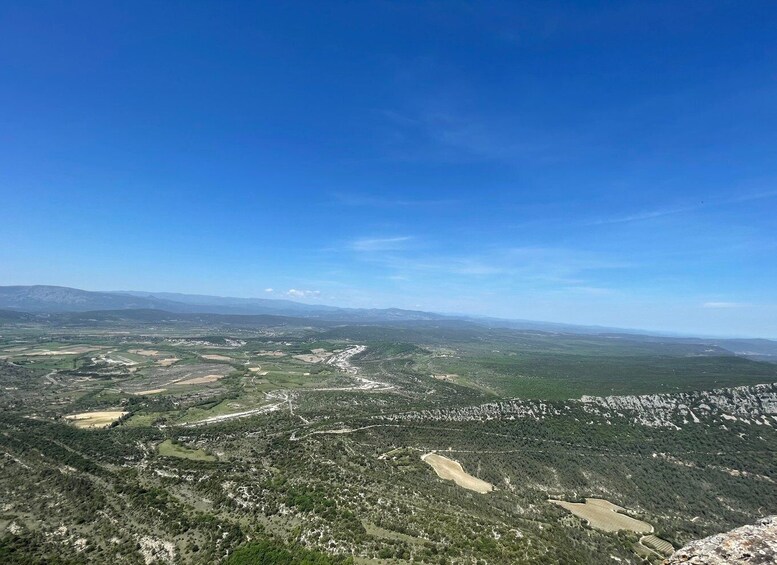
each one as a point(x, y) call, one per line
point(203, 445)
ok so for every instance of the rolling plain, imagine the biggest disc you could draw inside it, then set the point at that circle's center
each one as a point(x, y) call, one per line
point(141, 437)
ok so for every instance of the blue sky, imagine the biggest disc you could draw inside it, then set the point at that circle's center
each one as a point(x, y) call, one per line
point(607, 163)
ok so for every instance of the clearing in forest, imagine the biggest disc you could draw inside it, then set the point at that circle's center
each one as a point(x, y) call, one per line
point(604, 515)
point(217, 358)
point(95, 419)
point(447, 377)
point(451, 470)
point(167, 362)
point(169, 449)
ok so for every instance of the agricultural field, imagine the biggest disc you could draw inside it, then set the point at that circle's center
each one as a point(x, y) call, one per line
point(452, 471)
point(604, 515)
point(102, 418)
point(658, 545)
point(209, 442)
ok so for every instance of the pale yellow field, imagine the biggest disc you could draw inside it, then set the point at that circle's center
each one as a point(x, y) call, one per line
point(95, 419)
point(604, 515)
point(451, 470)
point(217, 358)
point(201, 380)
point(151, 391)
point(167, 362)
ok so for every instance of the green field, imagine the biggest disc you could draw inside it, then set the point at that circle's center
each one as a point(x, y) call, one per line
point(169, 449)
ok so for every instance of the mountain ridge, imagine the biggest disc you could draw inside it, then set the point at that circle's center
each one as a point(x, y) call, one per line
point(62, 299)
point(57, 299)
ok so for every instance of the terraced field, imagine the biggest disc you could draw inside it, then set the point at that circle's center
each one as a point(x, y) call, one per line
point(657, 544)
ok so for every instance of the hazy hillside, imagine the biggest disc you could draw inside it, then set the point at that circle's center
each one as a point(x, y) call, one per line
point(57, 299)
point(243, 305)
point(41, 298)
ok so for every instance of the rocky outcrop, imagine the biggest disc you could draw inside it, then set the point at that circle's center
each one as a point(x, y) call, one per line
point(753, 405)
point(751, 545)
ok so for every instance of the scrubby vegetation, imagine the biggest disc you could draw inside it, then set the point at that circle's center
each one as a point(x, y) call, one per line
point(308, 449)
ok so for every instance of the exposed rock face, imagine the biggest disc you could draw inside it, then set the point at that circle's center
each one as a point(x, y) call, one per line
point(756, 404)
point(753, 405)
point(752, 545)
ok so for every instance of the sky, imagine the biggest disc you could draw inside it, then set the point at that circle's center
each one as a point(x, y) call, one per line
point(601, 163)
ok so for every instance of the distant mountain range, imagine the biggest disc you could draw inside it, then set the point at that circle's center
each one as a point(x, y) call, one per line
point(156, 306)
point(55, 299)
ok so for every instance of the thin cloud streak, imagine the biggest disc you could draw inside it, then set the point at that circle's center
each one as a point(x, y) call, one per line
point(449, 134)
point(366, 200)
point(380, 243)
point(723, 305)
point(528, 265)
point(659, 213)
point(648, 215)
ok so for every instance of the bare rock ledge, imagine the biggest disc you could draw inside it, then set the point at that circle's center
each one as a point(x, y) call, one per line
point(751, 545)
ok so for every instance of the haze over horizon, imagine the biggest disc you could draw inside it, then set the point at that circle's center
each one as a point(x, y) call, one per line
point(606, 163)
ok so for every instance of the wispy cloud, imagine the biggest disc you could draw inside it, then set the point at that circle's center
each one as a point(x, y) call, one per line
point(301, 293)
point(751, 196)
point(368, 200)
point(564, 258)
point(380, 243)
point(640, 216)
point(446, 133)
point(671, 211)
point(554, 267)
point(590, 290)
point(723, 305)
